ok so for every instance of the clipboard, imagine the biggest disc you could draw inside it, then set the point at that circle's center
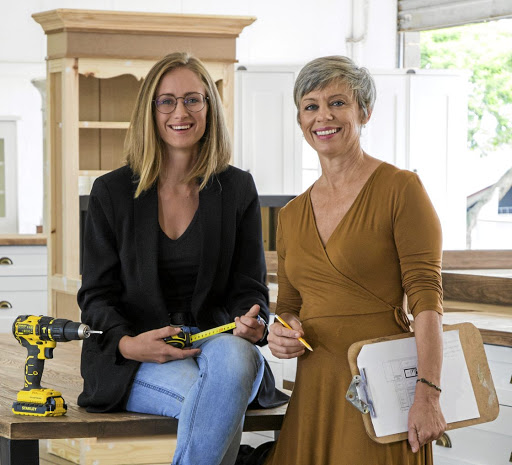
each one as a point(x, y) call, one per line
point(479, 373)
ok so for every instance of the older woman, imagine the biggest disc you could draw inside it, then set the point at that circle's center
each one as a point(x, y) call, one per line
point(349, 247)
point(173, 243)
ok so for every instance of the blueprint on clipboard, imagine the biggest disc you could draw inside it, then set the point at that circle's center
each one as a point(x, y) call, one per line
point(391, 373)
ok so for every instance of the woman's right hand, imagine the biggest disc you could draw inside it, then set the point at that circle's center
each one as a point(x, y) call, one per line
point(150, 347)
point(284, 342)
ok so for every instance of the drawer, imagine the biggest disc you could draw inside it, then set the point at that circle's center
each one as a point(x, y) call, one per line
point(23, 260)
point(22, 283)
point(500, 364)
point(486, 444)
point(23, 303)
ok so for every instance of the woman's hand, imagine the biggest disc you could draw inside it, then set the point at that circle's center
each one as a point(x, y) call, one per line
point(426, 422)
point(284, 342)
point(150, 347)
point(249, 326)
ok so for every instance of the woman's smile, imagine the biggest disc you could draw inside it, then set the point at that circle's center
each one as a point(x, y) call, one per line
point(326, 133)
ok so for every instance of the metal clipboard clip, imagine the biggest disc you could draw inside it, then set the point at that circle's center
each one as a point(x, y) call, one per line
point(359, 394)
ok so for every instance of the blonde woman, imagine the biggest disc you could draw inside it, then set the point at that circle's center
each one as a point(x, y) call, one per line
point(173, 242)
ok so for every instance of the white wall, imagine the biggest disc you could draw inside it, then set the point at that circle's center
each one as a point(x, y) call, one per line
point(20, 98)
point(285, 32)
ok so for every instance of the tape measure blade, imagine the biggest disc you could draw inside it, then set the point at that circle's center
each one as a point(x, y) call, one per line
point(211, 332)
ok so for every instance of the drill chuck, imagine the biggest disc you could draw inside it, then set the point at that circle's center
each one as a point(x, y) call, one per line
point(64, 330)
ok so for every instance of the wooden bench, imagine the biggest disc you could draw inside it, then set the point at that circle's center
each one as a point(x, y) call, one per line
point(19, 434)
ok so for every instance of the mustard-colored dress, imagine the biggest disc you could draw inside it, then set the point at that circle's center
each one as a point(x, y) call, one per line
point(387, 243)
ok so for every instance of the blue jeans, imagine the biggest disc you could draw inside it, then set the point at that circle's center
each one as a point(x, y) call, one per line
point(209, 394)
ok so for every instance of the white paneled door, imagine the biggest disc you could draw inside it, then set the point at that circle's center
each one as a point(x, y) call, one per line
point(267, 135)
point(419, 123)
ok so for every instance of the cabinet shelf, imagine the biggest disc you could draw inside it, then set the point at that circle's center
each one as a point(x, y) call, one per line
point(92, 173)
point(103, 124)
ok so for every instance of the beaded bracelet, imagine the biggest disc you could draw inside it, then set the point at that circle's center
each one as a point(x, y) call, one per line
point(423, 380)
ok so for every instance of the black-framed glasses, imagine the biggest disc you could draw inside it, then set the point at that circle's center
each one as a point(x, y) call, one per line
point(168, 103)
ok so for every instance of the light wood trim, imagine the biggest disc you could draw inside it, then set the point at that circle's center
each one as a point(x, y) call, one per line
point(271, 261)
point(64, 284)
point(477, 259)
point(59, 20)
point(23, 239)
point(67, 205)
point(104, 68)
point(93, 173)
point(125, 46)
point(459, 306)
point(55, 65)
point(66, 306)
point(228, 97)
point(104, 124)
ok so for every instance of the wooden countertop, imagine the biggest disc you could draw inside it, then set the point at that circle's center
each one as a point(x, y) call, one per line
point(493, 321)
point(63, 374)
point(23, 239)
point(486, 286)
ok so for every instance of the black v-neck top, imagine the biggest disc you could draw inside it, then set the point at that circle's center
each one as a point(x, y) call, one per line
point(178, 265)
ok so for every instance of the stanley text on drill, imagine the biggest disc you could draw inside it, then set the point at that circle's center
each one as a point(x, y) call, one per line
point(40, 334)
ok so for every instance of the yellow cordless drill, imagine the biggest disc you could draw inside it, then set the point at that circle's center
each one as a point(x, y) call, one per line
point(40, 334)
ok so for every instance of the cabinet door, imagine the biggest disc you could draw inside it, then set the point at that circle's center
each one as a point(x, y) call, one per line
point(437, 147)
point(267, 135)
point(483, 444)
point(385, 135)
point(8, 178)
point(500, 364)
point(419, 123)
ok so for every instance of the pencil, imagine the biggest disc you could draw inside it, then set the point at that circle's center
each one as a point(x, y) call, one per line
point(286, 325)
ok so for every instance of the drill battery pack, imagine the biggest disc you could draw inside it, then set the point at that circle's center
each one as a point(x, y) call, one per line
point(39, 402)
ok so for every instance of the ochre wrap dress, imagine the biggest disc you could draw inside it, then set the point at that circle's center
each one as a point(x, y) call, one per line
point(387, 243)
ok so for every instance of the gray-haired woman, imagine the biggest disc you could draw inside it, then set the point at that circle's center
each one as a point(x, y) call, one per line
point(348, 248)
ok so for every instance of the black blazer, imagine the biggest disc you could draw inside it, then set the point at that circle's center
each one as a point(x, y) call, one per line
point(121, 294)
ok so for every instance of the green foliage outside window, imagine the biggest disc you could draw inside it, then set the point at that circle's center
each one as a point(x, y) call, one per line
point(486, 51)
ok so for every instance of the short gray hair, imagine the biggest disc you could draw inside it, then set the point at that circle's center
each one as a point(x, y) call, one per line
point(321, 72)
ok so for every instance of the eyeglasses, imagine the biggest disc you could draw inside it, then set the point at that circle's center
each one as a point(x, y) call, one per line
point(193, 102)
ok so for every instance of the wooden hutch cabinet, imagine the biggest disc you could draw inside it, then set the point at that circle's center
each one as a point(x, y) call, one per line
point(96, 62)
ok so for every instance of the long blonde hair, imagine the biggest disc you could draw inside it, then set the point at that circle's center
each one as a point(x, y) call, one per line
point(144, 148)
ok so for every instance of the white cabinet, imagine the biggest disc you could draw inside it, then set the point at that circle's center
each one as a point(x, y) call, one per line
point(419, 123)
point(23, 283)
point(487, 443)
point(267, 137)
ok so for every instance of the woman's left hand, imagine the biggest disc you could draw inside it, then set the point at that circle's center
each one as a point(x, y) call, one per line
point(249, 326)
point(426, 422)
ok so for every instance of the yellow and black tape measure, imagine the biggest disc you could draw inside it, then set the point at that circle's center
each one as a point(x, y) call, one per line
point(183, 339)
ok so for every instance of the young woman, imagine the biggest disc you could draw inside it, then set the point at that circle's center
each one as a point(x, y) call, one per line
point(173, 242)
